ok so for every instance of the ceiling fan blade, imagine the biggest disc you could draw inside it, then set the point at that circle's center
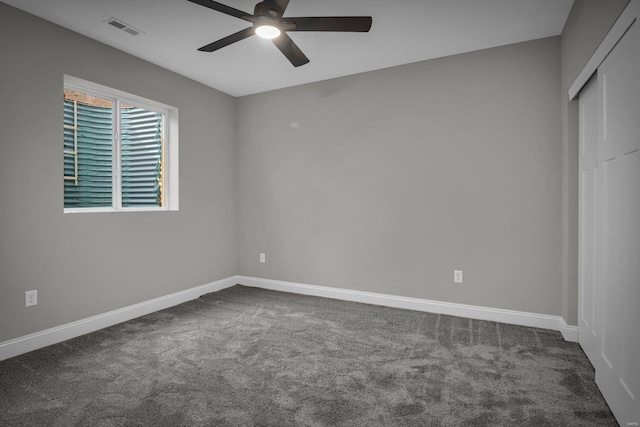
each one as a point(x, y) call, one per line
point(279, 5)
point(359, 24)
point(290, 50)
point(236, 37)
point(225, 9)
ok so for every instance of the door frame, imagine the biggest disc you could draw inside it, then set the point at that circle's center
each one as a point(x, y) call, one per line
point(628, 16)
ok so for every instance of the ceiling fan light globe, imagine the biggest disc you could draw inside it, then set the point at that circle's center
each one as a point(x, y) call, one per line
point(268, 31)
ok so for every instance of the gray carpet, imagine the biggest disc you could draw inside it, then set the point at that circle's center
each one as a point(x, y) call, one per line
point(252, 357)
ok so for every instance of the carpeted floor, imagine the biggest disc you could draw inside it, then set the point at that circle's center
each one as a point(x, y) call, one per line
point(252, 357)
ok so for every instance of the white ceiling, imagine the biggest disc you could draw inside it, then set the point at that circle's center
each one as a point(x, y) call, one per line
point(403, 31)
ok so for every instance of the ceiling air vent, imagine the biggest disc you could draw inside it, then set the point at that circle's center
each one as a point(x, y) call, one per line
point(123, 26)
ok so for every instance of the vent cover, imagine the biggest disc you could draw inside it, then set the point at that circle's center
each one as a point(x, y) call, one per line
point(114, 22)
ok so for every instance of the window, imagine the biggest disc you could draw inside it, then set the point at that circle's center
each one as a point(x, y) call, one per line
point(120, 151)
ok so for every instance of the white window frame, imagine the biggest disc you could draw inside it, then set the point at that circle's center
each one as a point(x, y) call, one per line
point(170, 149)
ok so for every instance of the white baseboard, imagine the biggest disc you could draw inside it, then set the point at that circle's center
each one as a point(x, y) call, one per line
point(544, 321)
point(61, 333)
point(27, 343)
point(570, 333)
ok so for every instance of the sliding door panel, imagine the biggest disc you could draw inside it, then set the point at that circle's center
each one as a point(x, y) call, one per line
point(617, 373)
point(588, 180)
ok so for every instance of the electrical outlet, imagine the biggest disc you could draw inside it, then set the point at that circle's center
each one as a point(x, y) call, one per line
point(30, 298)
point(457, 276)
point(263, 258)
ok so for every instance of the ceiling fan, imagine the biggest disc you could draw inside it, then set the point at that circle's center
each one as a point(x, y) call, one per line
point(269, 23)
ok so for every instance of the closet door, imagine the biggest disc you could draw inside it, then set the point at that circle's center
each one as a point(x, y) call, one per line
point(618, 286)
point(588, 180)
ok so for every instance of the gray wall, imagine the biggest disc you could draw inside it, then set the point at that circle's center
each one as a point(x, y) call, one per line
point(383, 182)
point(86, 264)
point(388, 181)
point(588, 23)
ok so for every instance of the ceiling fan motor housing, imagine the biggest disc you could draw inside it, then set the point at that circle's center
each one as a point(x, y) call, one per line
point(263, 9)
